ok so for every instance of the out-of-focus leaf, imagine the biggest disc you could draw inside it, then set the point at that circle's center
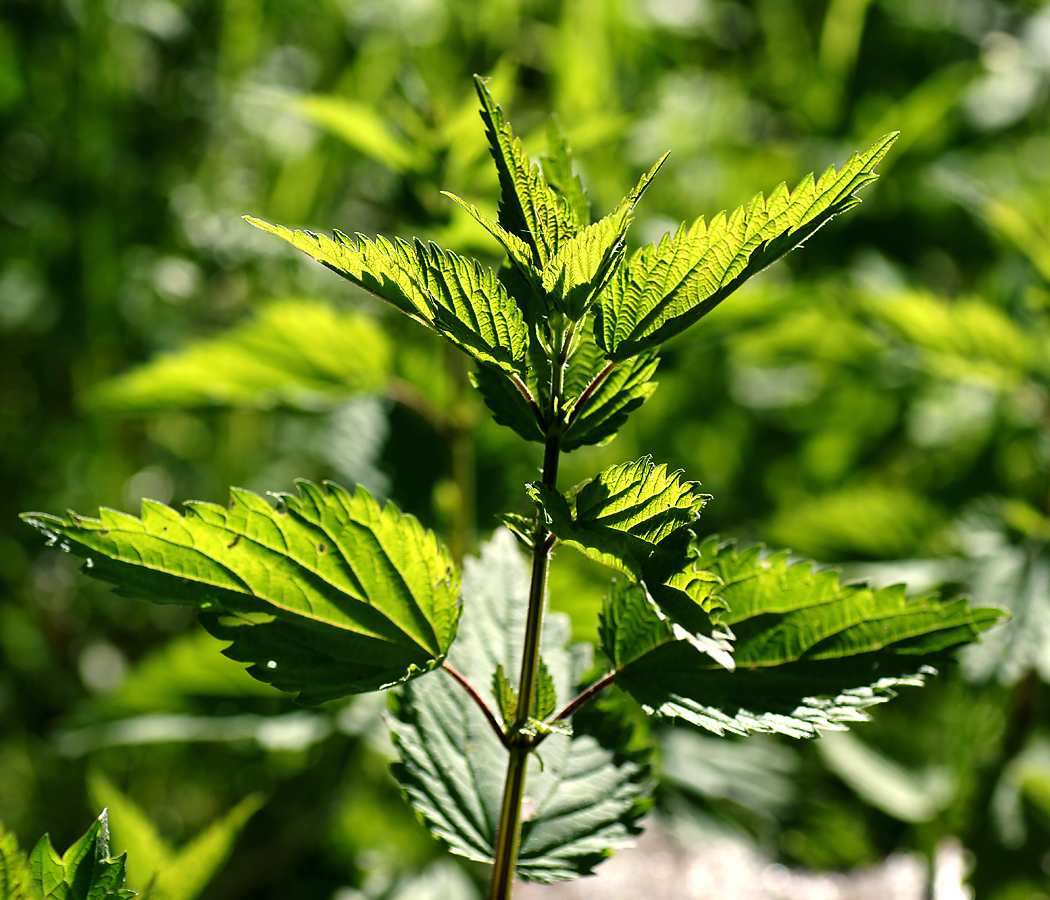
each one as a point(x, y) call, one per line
point(664, 289)
point(363, 128)
point(587, 795)
point(886, 785)
point(173, 874)
point(810, 652)
point(299, 353)
point(961, 338)
point(865, 520)
point(15, 880)
point(327, 594)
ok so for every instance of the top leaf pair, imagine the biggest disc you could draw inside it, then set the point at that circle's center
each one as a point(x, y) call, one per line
point(566, 288)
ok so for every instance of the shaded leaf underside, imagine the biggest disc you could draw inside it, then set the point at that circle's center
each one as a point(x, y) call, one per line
point(586, 797)
point(326, 595)
point(810, 652)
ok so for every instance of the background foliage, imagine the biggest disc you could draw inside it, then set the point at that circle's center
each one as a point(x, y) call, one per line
point(879, 400)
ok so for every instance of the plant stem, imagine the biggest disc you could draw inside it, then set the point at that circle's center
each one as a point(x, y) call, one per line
point(508, 835)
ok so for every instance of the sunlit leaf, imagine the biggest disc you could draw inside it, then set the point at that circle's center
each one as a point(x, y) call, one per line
point(15, 881)
point(575, 275)
point(623, 516)
point(441, 289)
point(299, 353)
point(586, 794)
point(327, 594)
point(529, 208)
point(664, 289)
point(558, 172)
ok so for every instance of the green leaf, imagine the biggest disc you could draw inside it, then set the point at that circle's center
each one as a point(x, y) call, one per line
point(15, 881)
point(507, 404)
point(173, 874)
point(529, 209)
point(504, 694)
point(300, 353)
point(961, 338)
point(384, 268)
point(438, 288)
point(557, 172)
point(360, 126)
point(575, 275)
point(327, 594)
point(588, 794)
point(625, 515)
point(624, 388)
point(664, 289)
point(85, 872)
point(810, 652)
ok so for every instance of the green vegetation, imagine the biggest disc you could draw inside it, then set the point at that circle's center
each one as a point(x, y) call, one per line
point(876, 401)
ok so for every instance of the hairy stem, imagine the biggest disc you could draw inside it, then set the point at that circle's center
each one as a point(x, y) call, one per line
point(508, 836)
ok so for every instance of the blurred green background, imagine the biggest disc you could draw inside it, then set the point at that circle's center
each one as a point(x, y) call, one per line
point(878, 401)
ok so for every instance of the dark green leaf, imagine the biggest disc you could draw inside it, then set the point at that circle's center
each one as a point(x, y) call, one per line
point(588, 795)
point(326, 595)
point(811, 653)
point(507, 404)
point(622, 390)
point(299, 353)
point(664, 289)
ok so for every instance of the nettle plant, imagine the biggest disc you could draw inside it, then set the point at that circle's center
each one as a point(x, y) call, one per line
point(503, 754)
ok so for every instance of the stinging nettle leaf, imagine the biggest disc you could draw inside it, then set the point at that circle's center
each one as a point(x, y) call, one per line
point(558, 173)
point(623, 516)
point(326, 595)
point(300, 353)
point(529, 208)
point(811, 653)
point(623, 388)
point(583, 265)
point(588, 794)
point(664, 289)
point(439, 288)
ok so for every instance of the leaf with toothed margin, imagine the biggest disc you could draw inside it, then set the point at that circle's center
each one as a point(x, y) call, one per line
point(811, 653)
point(586, 791)
point(445, 291)
point(664, 289)
point(624, 388)
point(15, 880)
point(626, 516)
point(529, 208)
point(86, 871)
point(558, 173)
point(326, 595)
point(575, 275)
